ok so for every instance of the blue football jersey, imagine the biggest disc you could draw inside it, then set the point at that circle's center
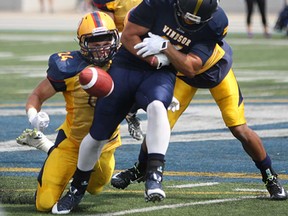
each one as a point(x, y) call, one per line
point(161, 21)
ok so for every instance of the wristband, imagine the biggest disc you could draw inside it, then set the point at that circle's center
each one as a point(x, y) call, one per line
point(31, 113)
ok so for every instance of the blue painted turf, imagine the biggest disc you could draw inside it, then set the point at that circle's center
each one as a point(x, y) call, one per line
point(195, 156)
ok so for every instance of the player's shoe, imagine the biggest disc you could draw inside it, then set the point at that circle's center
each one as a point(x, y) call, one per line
point(122, 179)
point(34, 138)
point(153, 187)
point(275, 189)
point(134, 126)
point(67, 202)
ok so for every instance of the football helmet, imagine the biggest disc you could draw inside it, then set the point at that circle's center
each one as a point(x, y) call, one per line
point(98, 37)
point(191, 12)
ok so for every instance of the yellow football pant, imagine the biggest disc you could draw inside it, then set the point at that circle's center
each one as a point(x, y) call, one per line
point(60, 166)
point(226, 94)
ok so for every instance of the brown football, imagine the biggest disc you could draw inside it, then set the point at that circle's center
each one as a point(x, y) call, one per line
point(96, 81)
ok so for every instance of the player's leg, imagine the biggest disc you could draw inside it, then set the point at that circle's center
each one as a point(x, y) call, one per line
point(104, 168)
point(109, 113)
point(184, 93)
point(57, 170)
point(249, 12)
point(154, 95)
point(102, 172)
point(230, 101)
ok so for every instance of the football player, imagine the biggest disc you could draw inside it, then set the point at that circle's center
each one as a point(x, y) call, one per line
point(99, 40)
point(118, 10)
point(214, 55)
point(160, 34)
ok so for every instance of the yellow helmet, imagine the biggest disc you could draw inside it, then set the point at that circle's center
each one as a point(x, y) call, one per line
point(98, 27)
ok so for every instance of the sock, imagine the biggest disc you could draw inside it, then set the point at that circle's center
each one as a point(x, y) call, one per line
point(142, 160)
point(80, 180)
point(265, 167)
point(156, 163)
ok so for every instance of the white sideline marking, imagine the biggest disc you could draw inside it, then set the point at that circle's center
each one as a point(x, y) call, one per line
point(250, 190)
point(132, 211)
point(194, 185)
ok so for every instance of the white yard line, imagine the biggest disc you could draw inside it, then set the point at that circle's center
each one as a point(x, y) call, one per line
point(249, 190)
point(179, 205)
point(194, 185)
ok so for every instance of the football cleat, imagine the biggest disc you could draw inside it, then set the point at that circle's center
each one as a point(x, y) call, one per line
point(153, 187)
point(134, 126)
point(68, 202)
point(34, 138)
point(122, 179)
point(275, 189)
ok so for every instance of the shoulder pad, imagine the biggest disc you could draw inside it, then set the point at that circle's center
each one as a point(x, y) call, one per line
point(219, 23)
point(63, 65)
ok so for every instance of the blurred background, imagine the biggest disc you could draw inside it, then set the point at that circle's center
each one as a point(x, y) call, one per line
point(45, 14)
point(64, 6)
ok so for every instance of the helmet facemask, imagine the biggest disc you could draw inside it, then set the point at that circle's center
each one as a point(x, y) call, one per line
point(98, 38)
point(100, 47)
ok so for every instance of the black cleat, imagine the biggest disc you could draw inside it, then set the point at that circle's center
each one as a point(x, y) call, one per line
point(67, 202)
point(122, 179)
point(275, 189)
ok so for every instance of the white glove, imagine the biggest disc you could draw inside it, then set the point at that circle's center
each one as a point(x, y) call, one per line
point(134, 126)
point(174, 105)
point(40, 120)
point(162, 60)
point(151, 45)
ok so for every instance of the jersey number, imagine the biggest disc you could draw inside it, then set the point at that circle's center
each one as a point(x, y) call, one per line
point(65, 55)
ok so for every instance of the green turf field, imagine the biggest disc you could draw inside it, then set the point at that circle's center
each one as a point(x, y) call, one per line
point(262, 70)
point(260, 64)
point(215, 199)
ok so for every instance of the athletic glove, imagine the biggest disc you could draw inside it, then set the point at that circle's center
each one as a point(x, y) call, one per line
point(151, 45)
point(174, 105)
point(134, 126)
point(39, 120)
point(162, 60)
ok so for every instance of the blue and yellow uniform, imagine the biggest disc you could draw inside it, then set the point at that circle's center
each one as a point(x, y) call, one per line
point(208, 43)
point(119, 8)
point(60, 165)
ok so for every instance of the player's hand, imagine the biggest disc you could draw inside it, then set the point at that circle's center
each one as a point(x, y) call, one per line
point(162, 60)
point(174, 105)
point(134, 127)
point(151, 45)
point(40, 121)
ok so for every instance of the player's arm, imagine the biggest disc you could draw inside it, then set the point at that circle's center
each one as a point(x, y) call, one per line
point(131, 36)
point(188, 64)
point(34, 137)
point(41, 93)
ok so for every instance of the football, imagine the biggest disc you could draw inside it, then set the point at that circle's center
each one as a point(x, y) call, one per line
point(96, 82)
